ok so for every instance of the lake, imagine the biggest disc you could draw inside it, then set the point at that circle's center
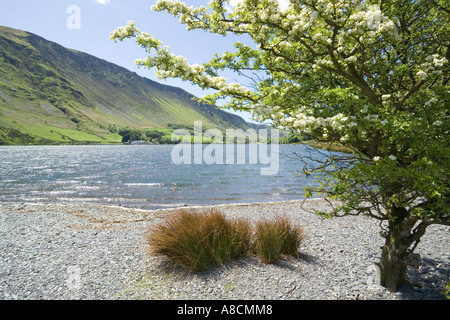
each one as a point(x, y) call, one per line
point(142, 176)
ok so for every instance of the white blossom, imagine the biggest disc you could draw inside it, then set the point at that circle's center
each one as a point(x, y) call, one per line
point(422, 74)
point(432, 100)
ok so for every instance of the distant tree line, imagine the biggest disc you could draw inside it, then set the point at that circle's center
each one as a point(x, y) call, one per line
point(149, 135)
point(164, 136)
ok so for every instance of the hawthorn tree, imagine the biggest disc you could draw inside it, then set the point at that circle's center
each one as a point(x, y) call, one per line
point(371, 75)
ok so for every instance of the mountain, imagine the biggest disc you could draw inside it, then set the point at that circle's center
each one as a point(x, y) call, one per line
point(51, 94)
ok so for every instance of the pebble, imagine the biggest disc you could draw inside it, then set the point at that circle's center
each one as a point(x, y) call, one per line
point(95, 252)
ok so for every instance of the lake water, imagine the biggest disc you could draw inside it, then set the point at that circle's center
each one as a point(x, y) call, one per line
point(142, 176)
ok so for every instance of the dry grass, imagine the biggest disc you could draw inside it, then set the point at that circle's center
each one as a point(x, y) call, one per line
point(202, 240)
point(199, 241)
point(276, 239)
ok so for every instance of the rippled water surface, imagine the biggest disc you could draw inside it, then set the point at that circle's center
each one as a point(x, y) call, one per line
point(142, 176)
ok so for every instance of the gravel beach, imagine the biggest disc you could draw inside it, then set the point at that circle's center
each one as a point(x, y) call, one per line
point(95, 252)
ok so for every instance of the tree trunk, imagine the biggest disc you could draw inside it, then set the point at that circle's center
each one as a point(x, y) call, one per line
point(395, 256)
point(392, 265)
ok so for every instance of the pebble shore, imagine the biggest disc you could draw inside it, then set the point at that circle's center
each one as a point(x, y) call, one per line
point(96, 252)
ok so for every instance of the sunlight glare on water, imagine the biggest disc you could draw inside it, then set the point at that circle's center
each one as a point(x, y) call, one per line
point(140, 176)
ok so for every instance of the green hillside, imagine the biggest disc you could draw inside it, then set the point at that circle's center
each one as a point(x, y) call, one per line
point(50, 94)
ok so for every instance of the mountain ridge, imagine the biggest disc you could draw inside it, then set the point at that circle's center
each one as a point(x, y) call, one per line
point(50, 94)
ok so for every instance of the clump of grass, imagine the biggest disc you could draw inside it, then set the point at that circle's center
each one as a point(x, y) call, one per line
point(275, 239)
point(199, 240)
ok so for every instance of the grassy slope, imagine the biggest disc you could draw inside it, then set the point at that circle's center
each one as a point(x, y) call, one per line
point(50, 94)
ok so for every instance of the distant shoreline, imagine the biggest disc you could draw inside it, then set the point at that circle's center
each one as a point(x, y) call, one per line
point(314, 144)
point(161, 207)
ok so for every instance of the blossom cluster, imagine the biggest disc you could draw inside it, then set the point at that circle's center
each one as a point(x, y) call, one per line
point(192, 17)
point(127, 31)
point(172, 66)
point(432, 67)
point(309, 123)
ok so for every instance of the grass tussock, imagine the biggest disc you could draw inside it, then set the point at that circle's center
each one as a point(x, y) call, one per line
point(199, 241)
point(276, 239)
point(203, 240)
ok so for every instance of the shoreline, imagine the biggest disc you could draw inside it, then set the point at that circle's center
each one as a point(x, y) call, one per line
point(42, 242)
point(163, 207)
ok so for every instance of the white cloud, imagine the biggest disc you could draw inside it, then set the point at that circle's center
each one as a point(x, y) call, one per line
point(103, 2)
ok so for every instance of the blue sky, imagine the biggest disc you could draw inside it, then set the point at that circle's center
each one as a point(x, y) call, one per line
point(48, 18)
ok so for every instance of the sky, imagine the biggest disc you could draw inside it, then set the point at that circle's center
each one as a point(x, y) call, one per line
point(85, 25)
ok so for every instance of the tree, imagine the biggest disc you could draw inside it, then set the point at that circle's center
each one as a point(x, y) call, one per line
point(153, 135)
point(131, 134)
point(372, 75)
